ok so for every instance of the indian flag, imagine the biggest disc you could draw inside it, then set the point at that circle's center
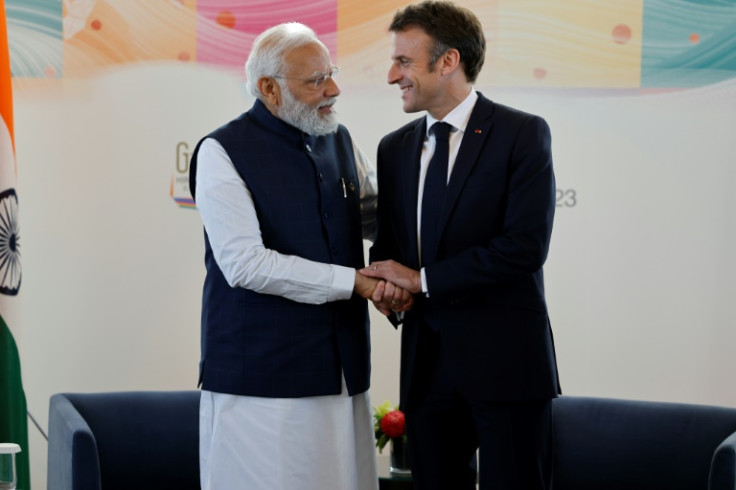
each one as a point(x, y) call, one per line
point(13, 418)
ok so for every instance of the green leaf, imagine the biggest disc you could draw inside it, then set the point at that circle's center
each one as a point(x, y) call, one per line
point(381, 442)
point(382, 409)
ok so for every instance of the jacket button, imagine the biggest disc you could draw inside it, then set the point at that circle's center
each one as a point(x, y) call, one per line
point(309, 148)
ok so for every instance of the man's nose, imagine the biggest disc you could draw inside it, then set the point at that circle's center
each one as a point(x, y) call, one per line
point(332, 89)
point(394, 75)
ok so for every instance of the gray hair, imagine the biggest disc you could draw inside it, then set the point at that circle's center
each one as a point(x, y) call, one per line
point(266, 58)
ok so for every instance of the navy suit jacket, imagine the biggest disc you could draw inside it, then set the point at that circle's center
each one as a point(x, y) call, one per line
point(486, 291)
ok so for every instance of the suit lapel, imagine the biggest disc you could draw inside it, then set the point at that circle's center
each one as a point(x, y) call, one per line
point(409, 183)
point(476, 133)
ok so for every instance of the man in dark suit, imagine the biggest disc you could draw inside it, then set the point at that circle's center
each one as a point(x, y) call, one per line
point(478, 366)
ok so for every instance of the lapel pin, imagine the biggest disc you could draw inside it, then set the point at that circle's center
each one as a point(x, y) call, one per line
point(478, 131)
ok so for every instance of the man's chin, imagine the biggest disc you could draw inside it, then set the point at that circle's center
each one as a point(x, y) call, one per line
point(328, 125)
point(323, 131)
point(409, 107)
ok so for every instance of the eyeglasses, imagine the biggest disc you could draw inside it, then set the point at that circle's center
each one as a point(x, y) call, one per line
point(317, 82)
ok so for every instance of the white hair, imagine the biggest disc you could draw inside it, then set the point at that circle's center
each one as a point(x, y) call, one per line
point(266, 58)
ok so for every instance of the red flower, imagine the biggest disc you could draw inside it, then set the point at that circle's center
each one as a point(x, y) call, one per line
point(392, 424)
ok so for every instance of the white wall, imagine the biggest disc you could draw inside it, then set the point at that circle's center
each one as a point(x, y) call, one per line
point(639, 278)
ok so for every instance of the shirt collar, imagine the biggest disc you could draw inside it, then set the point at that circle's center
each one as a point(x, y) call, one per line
point(460, 115)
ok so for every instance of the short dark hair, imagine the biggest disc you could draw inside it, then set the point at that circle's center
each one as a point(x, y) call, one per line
point(450, 26)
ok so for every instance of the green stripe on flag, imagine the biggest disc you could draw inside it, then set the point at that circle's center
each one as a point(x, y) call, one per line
point(13, 414)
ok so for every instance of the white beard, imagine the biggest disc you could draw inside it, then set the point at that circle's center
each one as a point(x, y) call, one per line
point(305, 117)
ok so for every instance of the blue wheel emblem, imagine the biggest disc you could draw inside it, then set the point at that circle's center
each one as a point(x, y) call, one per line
point(10, 272)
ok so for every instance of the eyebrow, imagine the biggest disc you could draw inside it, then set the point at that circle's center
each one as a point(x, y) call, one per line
point(318, 74)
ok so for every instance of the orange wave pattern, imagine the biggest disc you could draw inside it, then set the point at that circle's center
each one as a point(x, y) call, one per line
point(532, 43)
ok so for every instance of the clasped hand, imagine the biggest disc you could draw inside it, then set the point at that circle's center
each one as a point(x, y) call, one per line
point(395, 285)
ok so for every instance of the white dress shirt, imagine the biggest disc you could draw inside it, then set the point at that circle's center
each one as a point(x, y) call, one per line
point(457, 118)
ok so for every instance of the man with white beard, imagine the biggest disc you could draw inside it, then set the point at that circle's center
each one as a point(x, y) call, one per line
point(286, 198)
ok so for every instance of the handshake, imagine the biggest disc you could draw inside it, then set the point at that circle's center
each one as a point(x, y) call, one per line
point(389, 285)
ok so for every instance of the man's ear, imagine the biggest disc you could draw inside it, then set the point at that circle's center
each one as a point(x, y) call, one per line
point(449, 61)
point(270, 90)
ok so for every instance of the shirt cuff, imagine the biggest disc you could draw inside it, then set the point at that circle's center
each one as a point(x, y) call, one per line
point(425, 290)
point(343, 283)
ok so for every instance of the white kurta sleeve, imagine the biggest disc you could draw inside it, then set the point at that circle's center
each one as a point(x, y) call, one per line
point(227, 210)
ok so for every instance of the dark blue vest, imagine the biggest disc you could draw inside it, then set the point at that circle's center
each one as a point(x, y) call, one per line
point(265, 345)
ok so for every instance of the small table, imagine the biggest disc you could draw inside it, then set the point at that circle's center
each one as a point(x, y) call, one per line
point(387, 481)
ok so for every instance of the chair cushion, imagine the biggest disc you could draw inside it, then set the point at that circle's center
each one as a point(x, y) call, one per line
point(144, 439)
point(622, 444)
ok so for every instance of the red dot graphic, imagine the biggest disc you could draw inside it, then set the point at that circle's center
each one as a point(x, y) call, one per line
point(96, 25)
point(621, 34)
point(226, 19)
point(184, 56)
point(695, 38)
point(540, 73)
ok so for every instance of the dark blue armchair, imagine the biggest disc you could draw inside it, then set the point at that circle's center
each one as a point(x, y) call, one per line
point(143, 440)
point(150, 440)
point(609, 444)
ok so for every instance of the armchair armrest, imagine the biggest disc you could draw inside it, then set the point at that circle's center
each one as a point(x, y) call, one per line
point(73, 463)
point(723, 468)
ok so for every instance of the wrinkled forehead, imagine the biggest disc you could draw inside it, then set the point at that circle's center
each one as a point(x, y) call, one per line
point(311, 59)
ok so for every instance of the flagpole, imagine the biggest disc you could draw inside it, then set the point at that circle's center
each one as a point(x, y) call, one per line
point(33, 419)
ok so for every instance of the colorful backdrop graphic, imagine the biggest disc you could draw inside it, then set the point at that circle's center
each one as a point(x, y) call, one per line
point(226, 29)
point(576, 43)
point(100, 34)
point(628, 44)
point(688, 43)
point(35, 38)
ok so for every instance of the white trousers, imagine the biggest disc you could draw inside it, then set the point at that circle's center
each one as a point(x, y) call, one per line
point(314, 443)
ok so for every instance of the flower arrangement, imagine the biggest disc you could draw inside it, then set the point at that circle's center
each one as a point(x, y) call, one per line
point(389, 424)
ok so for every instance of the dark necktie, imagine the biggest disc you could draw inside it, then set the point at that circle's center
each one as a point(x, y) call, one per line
point(435, 184)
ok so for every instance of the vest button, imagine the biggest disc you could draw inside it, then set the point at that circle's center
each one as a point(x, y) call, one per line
point(321, 177)
point(309, 148)
point(326, 215)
